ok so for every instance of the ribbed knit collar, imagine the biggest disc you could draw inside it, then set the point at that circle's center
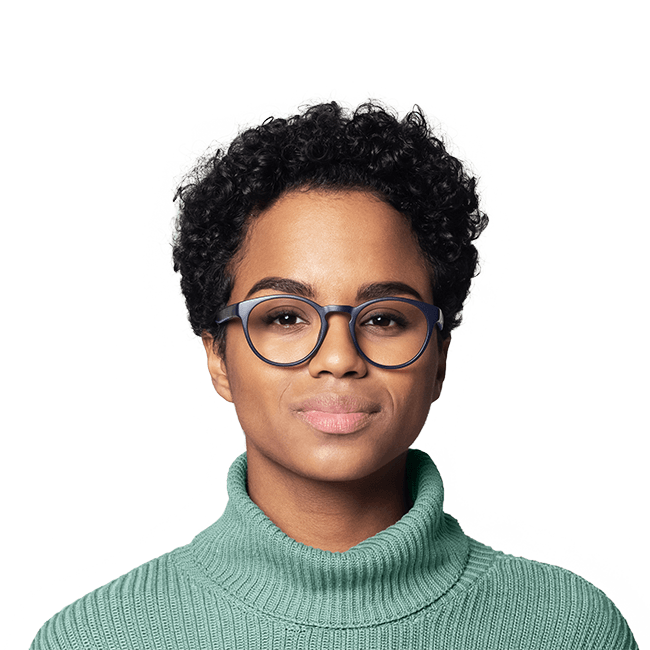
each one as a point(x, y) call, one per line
point(397, 572)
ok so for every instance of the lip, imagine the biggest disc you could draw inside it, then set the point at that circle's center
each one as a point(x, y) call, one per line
point(338, 414)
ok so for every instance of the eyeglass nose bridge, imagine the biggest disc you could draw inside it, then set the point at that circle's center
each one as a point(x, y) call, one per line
point(334, 309)
point(325, 311)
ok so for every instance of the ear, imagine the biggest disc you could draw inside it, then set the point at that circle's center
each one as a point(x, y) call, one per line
point(441, 369)
point(217, 367)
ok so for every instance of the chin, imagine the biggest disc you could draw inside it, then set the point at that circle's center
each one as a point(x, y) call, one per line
point(342, 462)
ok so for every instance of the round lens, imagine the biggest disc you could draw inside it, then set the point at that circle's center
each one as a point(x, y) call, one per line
point(391, 332)
point(283, 330)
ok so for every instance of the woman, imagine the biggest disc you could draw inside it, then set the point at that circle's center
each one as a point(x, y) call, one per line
point(325, 260)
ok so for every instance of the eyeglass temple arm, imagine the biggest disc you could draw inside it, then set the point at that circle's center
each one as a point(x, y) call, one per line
point(232, 311)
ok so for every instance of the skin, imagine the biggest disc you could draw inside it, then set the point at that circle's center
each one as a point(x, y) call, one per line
point(329, 490)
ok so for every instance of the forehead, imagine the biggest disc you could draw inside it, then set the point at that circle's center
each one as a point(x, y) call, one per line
point(335, 241)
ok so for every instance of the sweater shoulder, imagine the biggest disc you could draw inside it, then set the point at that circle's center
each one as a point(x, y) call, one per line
point(82, 625)
point(550, 602)
point(556, 582)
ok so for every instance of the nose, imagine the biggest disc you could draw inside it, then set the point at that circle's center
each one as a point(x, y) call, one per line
point(337, 354)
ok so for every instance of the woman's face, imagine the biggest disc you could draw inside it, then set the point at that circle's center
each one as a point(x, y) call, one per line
point(336, 417)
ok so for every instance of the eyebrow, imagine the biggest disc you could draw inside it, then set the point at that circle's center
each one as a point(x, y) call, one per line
point(283, 285)
point(385, 289)
point(366, 292)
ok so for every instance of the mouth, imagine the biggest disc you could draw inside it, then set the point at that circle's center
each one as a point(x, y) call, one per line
point(338, 414)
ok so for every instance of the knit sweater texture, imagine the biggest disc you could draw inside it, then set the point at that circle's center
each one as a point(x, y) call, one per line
point(242, 584)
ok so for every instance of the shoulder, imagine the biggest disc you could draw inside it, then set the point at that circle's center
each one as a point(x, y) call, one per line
point(91, 622)
point(541, 601)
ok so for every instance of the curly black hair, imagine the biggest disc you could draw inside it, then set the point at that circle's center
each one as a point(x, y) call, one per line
point(326, 147)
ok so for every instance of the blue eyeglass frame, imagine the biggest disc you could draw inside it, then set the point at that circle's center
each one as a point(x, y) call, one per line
point(243, 309)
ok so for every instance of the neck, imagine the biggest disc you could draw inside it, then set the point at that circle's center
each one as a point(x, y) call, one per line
point(395, 573)
point(328, 515)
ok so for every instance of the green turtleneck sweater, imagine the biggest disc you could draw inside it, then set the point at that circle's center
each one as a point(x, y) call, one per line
point(420, 584)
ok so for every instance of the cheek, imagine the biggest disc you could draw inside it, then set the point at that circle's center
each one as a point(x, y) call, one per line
point(257, 390)
point(414, 389)
point(417, 396)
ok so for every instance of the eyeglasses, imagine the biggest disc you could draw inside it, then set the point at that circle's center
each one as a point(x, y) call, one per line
point(287, 330)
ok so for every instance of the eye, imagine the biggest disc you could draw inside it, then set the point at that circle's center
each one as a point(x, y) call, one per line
point(384, 321)
point(379, 321)
point(285, 319)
